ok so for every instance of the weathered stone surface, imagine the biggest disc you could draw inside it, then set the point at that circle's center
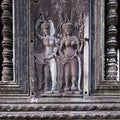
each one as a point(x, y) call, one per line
point(20, 98)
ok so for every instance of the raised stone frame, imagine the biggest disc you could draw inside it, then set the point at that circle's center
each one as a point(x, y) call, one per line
point(102, 68)
point(15, 74)
point(18, 98)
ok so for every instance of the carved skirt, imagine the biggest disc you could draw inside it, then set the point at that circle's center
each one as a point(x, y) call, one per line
point(71, 68)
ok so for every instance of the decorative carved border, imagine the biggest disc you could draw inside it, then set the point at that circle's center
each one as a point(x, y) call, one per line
point(60, 107)
point(61, 115)
point(55, 111)
point(15, 42)
point(7, 43)
point(111, 42)
point(100, 85)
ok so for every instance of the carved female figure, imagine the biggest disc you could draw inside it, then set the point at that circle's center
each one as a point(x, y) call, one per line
point(49, 42)
point(69, 48)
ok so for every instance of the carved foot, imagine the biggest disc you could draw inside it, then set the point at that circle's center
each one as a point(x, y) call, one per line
point(51, 92)
point(77, 92)
point(56, 92)
point(80, 90)
point(67, 88)
point(73, 88)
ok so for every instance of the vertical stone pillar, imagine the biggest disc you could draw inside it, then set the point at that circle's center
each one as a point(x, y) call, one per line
point(111, 42)
point(7, 43)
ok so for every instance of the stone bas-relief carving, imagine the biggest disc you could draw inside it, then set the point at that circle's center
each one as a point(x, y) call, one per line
point(62, 71)
point(69, 50)
point(48, 58)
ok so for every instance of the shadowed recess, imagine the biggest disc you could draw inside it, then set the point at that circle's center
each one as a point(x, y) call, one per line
point(1, 41)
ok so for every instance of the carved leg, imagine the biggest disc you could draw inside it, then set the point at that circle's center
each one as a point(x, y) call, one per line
point(74, 68)
point(73, 87)
point(53, 70)
point(67, 83)
point(47, 77)
point(67, 76)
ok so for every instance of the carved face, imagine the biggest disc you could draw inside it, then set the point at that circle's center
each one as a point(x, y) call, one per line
point(68, 28)
point(68, 31)
point(46, 30)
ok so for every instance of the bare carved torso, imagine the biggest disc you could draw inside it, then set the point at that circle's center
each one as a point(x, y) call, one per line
point(70, 43)
point(50, 44)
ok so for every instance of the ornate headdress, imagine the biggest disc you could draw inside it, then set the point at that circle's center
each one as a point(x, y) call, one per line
point(67, 25)
point(45, 24)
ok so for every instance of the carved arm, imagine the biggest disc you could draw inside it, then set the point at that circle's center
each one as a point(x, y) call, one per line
point(61, 48)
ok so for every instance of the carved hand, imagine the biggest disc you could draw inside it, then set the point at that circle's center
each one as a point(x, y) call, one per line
point(65, 59)
point(50, 56)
